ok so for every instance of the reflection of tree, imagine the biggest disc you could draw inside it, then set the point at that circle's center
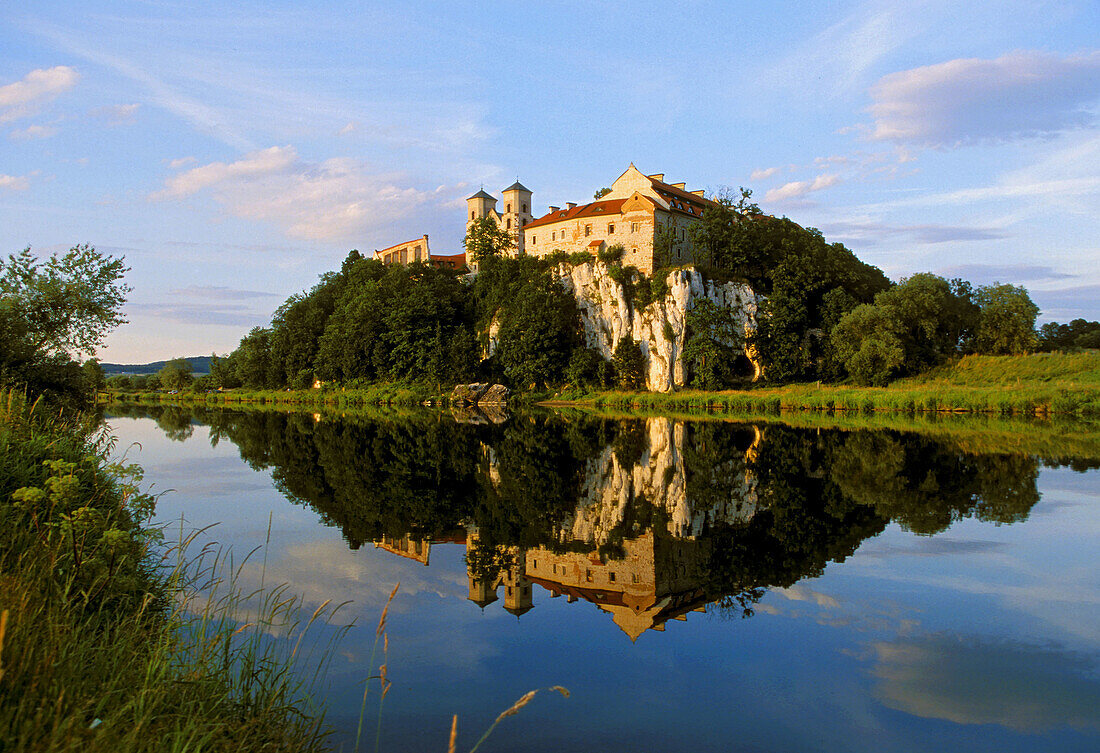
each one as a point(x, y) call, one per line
point(729, 510)
point(926, 486)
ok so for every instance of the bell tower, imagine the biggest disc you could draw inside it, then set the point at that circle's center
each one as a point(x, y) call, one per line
point(480, 205)
point(517, 212)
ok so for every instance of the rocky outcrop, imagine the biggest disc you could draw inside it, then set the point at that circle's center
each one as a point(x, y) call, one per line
point(659, 328)
point(495, 395)
point(479, 393)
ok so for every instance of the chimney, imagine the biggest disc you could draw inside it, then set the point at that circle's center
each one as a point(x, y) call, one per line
point(657, 176)
point(570, 204)
point(681, 186)
point(555, 209)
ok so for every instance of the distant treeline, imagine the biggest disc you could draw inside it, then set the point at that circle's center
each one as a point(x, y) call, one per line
point(199, 365)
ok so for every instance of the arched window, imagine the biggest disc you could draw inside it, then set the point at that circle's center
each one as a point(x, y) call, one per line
point(524, 207)
point(473, 215)
point(507, 207)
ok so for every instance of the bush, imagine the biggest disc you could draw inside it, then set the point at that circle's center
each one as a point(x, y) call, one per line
point(629, 364)
point(611, 254)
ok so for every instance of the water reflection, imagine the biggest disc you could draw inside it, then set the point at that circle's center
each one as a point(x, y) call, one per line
point(649, 519)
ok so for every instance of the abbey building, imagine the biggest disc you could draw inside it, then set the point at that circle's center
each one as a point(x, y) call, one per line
point(649, 218)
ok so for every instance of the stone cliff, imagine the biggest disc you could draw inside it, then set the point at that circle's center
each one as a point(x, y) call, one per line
point(659, 328)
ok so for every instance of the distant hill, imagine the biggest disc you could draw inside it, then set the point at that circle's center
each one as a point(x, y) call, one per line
point(199, 365)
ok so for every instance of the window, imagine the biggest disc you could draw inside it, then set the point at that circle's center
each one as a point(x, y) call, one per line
point(473, 215)
point(611, 577)
point(588, 574)
point(535, 564)
point(507, 207)
point(634, 578)
point(524, 207)
point(610, 228)
point(633, 227)
point(532, 240)
point(633, 250)
point(508, 224)
point(553, 236)
point(587, 230)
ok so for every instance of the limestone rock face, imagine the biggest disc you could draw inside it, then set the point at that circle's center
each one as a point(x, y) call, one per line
point(468, 394)
point(495, 395)
point(659, 328)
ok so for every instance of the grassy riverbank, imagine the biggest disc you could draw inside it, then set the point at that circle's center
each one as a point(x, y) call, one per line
point(1039, 384)
point(102, 647)
point(330, 397)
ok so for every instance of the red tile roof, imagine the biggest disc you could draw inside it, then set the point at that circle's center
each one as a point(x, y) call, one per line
point(595, 209)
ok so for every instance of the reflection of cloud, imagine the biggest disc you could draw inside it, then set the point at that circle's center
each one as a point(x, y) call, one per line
point(802, 593)
point(936, 546)
point(38, 87)
point(350, 575)
point(975, 681)
point(967, 100)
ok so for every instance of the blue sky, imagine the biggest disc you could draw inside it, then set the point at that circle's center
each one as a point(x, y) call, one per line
point(234, 152)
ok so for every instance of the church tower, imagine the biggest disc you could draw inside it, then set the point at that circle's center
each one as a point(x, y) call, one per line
point(517, 212)
point(480, 205)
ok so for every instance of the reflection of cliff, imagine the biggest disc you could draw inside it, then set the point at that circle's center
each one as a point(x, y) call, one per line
point(654, 469)
point(647, 518)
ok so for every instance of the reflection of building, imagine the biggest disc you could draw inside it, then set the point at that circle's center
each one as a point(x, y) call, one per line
point(657, 573)
point(658, 578)
point(418, 549)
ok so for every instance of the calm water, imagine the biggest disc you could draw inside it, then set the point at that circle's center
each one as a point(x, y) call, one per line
point(695, 585)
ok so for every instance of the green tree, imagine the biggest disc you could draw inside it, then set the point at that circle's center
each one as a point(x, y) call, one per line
point(484, 240)
point(713, 341)
point(93, 376)
point(66, 303)
point(52, 309)
point(175, 375)
point(629, 364)
point(539, 329)
point(601, 193)
point(1006, 321)
point(869, 345)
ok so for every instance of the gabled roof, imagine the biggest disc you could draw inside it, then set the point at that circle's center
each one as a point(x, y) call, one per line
point(517, 186)
point(482, 195)
point(595, 209)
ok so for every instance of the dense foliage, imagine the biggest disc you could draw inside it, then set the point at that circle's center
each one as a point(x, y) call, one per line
point(1078, 334)
point(51, 310)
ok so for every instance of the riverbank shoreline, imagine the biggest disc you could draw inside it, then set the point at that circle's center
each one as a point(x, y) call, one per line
point(1040, 384)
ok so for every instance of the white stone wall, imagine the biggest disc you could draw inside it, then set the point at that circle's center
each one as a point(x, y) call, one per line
point(608, 317)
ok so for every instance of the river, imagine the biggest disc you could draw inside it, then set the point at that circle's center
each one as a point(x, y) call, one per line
point(695, 585)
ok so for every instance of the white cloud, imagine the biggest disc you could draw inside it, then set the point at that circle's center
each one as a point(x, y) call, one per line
point(338, 199)
point(33, 132)
point(38, 87)
point(970, 100)
point(116, 114)
point(349, 128)
point(799, 188)
point(263, 162)
point(14, 182)
point(178, 163)
point(763, 173)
